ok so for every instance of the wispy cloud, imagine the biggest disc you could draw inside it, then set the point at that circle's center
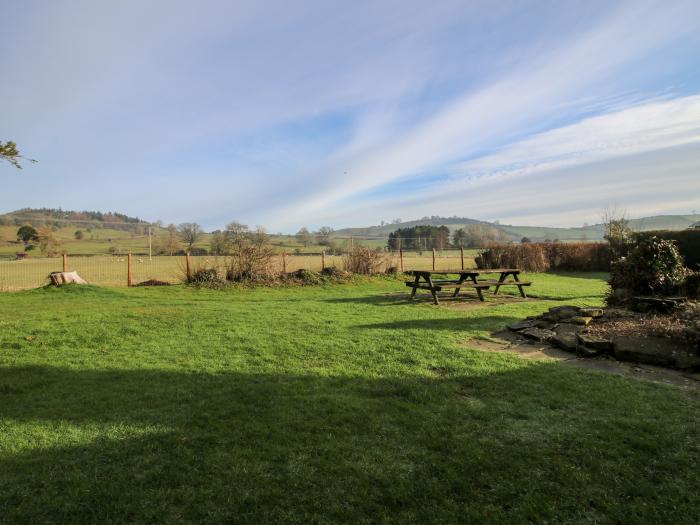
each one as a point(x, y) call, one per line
point(302, 113)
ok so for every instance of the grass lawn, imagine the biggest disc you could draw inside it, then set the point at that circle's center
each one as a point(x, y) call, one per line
point(330, 404)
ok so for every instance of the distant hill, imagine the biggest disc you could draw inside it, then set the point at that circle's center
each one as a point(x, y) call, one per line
point(535, 233)
point(62, 218)
point(384, 230)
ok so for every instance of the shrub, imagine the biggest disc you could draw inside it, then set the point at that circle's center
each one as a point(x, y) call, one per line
point(653, 266)
point(198, 251)
point(334, 272)
point(688, 242)
point(542, 257)
point(306, 277)
point(252, 259)
point(692, 284)
point(365, 261)
point(206, 277)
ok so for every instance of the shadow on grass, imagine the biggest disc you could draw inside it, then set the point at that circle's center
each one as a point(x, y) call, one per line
point(554, 297)
point(536, 443)
point(480, 323)
point(598, 276)
point(403, 298)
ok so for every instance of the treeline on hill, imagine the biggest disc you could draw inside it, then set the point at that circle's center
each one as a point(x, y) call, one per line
point(61, 218)
point(438, 237)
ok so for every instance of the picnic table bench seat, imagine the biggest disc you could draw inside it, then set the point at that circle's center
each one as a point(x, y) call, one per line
point(467, 279)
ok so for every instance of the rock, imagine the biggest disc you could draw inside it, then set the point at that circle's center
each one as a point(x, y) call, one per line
point(542, 323)
point(568, 328)
point(596, 343)
point(564, 341)
point(59, 278)
point(657, 304)
point(521, 325)
point(584, 351)
point(560, 313)
point(566, 309)
point(592, 312)
point(580, 320)
point(538, 334)
point(656, 351)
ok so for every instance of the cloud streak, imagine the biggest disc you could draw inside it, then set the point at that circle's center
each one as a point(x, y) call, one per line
point(309, 113)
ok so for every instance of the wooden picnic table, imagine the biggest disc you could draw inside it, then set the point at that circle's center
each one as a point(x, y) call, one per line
point(467, 279)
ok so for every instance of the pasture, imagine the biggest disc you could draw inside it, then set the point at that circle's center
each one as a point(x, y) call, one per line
point(111, 270)
point(325, 404)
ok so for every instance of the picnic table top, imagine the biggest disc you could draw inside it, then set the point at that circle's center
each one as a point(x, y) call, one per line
point(475, 271)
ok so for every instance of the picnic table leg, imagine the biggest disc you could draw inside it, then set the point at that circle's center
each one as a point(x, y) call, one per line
point(462, 278)
point(501, 279)
point(478, 290)
point(432, 289)
point(415, 286)
point(520, 286)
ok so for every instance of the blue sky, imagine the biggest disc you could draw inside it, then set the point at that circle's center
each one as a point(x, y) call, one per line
point(290, 114)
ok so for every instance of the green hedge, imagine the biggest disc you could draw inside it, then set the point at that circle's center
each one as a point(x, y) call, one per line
point(688, 242)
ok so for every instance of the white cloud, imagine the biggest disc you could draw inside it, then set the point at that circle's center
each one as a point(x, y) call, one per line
point(510, 107)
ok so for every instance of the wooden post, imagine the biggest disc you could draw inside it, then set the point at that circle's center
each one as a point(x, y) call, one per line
point(461, 255)
point(433, 259)
point(284, 262)
point(65, 262)
point(401, 258)
point(323, 259)
point(128, 269)
point(188, 267)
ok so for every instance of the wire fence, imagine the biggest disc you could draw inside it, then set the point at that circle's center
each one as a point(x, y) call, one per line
point(126, 270)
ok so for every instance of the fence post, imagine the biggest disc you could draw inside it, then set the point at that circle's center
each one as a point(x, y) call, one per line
point(128, 269)
point(401, 258)
point(323, 259)
point(461, 255)
point(65, 262)
point(188, 267)
point(433, 259)
point(284, 262)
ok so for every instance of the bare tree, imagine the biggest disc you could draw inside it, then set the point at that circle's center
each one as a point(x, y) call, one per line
point(303, 236)
point(236, 233)
point(616, 231)
point(168, 243)
point(190, 233)
point(323, 234)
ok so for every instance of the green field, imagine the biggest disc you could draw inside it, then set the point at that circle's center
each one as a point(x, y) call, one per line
point(329, 404)
point(111, 270)
point(101, 240)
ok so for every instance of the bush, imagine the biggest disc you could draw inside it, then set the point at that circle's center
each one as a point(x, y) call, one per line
point(365, 261)
point(688, 242)
point(306, 277)
point(653, 266)
point(542, 257)
point(692, 284)
point(198, 251)
point(252, 259)
point(334, 272)
point(206, 277)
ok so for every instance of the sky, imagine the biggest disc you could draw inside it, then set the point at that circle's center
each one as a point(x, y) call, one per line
point(310, 113)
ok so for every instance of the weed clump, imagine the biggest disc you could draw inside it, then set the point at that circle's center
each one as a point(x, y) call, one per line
point(206, 278)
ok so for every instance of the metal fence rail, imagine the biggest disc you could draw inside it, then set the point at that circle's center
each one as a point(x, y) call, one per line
point(122, 270)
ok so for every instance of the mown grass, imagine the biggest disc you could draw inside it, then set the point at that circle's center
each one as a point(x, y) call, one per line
point(331, 404)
